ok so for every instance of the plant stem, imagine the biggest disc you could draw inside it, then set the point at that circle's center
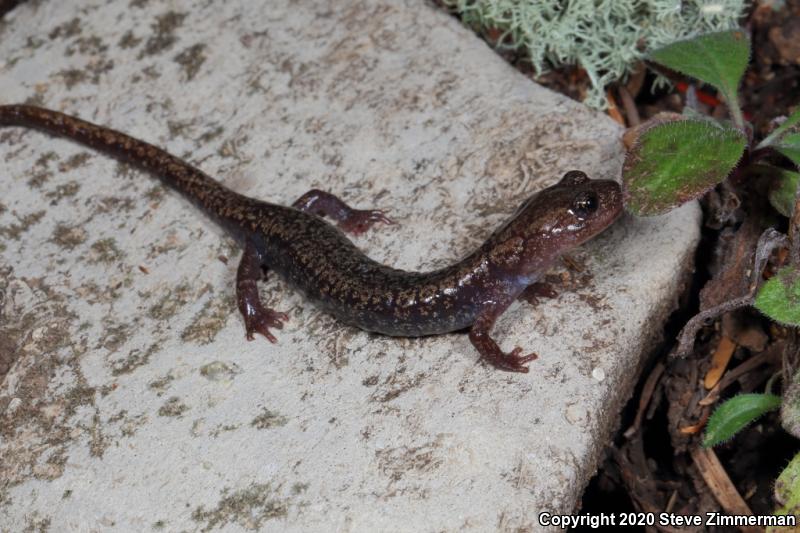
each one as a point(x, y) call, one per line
point(734, 109)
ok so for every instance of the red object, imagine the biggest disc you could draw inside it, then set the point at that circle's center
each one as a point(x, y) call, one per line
point(704, 97)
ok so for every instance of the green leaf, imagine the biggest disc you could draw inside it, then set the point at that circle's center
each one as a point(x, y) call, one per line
point(779, 297)
point(790, 405)
point(782, 195)
point(673, 163)
point(788, 124)
point(789, 146)
point(718, 59)
point(733, 415)
point(787, 489)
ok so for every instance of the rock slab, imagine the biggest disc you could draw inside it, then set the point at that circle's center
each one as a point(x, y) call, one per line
point(131, 400)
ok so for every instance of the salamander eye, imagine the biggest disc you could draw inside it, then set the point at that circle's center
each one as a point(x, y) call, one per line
point(584, 204)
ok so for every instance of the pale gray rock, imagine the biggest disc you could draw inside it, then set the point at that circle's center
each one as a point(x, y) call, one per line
point(133, 402)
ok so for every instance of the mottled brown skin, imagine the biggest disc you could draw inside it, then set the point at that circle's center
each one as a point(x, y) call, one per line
point(320, 261)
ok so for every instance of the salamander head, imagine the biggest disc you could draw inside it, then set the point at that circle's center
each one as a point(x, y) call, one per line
point(557, 219)
point(580, 208)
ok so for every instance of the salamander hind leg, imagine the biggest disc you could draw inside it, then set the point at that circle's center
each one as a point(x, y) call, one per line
point(488, 348)
point(257, 318)
point(351, 220)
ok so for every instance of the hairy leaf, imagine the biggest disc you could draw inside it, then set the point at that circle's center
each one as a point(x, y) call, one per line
point(788, 124)
point(790, 406)
point(779, 297)
point(673, 163)
point(736, 413)
point(782, 195)
point(789, 146)
point(787, 489)
point(718, 59)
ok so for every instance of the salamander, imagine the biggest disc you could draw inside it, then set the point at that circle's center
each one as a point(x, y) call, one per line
point(317, 258)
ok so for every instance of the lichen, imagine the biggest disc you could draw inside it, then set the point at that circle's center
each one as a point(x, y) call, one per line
point(173, 407)
point(248, 507)
point(269, 419)
point(605, 37)
point(191, 59)
point(163, 37)
point(14, 231)
point(65, 190)
point(209, 321)
point(105, 251)
point(68, 237)
point(162, 384)
point(170, 302)
point(135, 359)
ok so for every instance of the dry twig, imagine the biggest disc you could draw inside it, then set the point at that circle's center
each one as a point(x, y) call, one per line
point(721, 486)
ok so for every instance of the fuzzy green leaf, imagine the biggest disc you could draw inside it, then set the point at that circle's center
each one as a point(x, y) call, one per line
point(790, 406)
point(733, 415)
point(787, 489)
point(718, 59)
point(779, 297)
point(788, 124)
point(675, 162)
point(782, 195)
point(789, 146)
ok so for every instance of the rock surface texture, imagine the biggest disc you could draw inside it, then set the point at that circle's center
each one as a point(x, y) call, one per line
point(131, 400)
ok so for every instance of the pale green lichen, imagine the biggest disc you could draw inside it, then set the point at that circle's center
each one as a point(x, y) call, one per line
point(605, 37)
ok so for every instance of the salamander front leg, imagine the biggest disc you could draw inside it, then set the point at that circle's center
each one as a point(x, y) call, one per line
point(488, 348)
point(351, 220)
point(257, 318)
point(534, 291)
